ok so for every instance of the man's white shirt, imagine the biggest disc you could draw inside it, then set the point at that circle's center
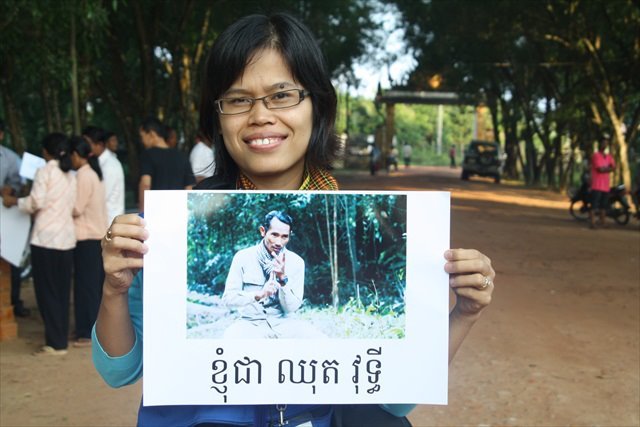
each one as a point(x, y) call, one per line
point(201, 159)
point(113, 179)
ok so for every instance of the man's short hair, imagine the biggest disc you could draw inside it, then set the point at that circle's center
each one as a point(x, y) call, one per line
point(153, 124)
point(283, 217)
point(1, 125)
point(94, 133)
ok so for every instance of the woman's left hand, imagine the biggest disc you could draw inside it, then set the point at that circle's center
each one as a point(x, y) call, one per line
point(471, 277)
point(8, 200)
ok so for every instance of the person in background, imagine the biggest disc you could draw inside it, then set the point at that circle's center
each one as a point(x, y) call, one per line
point(111, 142)
point(112, 172)
point(11, 184)
point(161, 167)
point(269, 107)
point(602, 164)
point(201, 158)
point(53, 239)
point(392, 159)
point(172, 137)
point(374, 159)
point(452, 156)
point(406, 154)
point(90, 219)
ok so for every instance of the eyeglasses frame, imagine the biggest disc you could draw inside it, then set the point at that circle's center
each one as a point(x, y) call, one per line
point(302, 93)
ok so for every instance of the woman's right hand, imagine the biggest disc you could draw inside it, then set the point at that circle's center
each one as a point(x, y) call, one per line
point(122, 252)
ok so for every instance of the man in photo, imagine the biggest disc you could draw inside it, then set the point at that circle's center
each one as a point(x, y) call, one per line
point(266, 285)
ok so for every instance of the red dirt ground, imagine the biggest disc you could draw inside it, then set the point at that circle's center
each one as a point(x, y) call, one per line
point(558, 346)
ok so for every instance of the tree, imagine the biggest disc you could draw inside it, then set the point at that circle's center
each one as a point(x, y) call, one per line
point(136, 58)
point(553, 73)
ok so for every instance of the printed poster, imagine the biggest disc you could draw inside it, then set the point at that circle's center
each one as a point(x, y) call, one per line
point(296, 297)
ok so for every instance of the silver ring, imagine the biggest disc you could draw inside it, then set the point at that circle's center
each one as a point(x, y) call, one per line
point(109, 236)
point(485, 284)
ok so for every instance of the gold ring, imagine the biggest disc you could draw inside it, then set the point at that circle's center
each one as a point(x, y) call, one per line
point(485, 283)
point(108, 236)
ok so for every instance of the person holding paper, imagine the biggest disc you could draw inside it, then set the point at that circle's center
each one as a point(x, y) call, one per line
point(269, 108)
point(53, 239)
point(265, 285)
point(11, 184)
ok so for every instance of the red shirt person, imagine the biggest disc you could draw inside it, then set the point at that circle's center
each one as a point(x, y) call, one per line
point(601, 165)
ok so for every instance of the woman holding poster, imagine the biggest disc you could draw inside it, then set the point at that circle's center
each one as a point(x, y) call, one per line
point(269, 107)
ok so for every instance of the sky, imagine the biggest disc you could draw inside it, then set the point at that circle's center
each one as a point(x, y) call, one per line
point(369, 73)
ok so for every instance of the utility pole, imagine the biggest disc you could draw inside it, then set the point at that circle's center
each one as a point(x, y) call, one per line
point(439, 129)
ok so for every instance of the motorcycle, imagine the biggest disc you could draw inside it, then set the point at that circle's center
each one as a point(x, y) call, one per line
point(617, 206)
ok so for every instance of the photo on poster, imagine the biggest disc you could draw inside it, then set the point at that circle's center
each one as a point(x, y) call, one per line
point(296, 266)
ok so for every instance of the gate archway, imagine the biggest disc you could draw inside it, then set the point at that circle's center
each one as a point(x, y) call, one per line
point(392, 97)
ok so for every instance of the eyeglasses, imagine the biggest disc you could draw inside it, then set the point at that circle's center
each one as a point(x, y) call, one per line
point(274, 101)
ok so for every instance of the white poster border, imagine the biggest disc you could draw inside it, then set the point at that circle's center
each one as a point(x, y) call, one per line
point(182, 371)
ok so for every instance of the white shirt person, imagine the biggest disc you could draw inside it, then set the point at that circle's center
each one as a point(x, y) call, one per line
point(113, 179)
point(202, 160)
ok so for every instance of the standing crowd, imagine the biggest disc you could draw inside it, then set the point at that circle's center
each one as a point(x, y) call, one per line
point(72, 200)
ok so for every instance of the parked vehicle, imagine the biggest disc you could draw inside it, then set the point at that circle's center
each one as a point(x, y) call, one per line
point(617, 206)
point(482, 158)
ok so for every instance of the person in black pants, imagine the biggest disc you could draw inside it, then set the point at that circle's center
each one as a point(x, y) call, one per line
point(51, 201)
point(16, 282)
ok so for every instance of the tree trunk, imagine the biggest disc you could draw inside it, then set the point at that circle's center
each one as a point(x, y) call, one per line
point(146, 59)
point(619, 141)
point(125, 99)
point(511, 139)
point(13, 117)
point(74, 78)
point(600, 78)
point(335, 294)
point(352, 254)
point(46, 104)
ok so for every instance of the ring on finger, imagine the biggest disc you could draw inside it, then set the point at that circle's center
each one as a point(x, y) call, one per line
point(108, 237)
point(485, 283)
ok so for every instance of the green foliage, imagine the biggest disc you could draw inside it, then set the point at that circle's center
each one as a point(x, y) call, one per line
point(555, 74)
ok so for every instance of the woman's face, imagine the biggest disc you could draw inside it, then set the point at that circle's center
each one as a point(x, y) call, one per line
point(76, 160)
point(268, 146)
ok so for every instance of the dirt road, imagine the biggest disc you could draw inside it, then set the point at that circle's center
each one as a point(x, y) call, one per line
point(558, 346)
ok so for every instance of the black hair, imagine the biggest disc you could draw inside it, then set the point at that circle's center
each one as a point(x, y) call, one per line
point(153, 124)
point(95, 134)
point(283, 217)
point(57, 145)
point(227, 60)
point(80, 146)
point(107, 135)
point(1, 125)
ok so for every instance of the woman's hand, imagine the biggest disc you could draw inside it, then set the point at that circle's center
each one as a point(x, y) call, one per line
point(471, 278)
point(8, 200)
point(122, 251)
